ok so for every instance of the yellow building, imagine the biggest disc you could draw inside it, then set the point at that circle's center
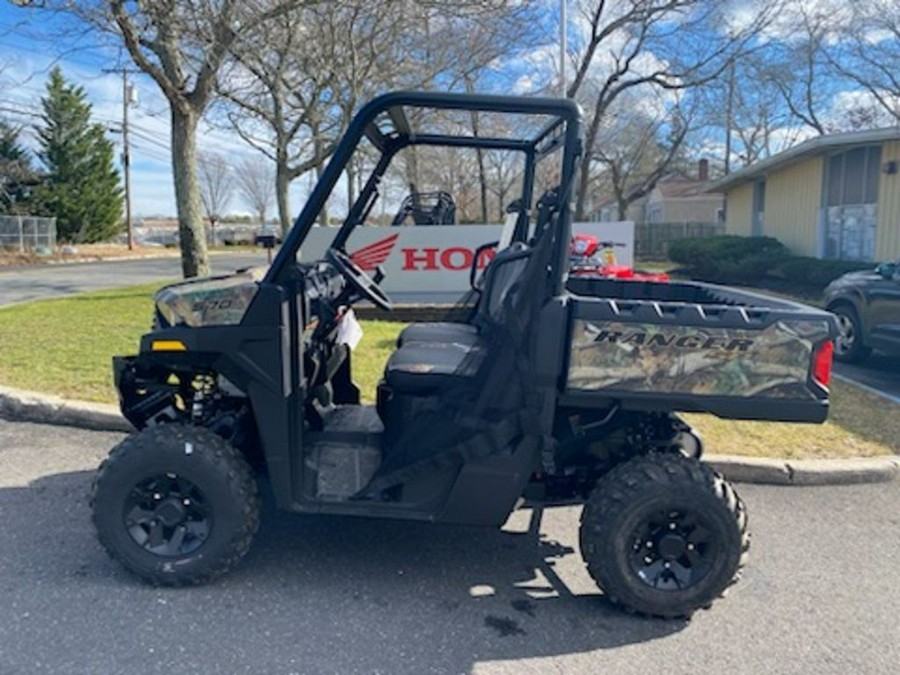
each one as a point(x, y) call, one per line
point(835, 196)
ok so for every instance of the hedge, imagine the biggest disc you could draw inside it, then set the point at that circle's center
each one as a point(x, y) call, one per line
point(815, 272)
point(751, 260)
point(728, 258)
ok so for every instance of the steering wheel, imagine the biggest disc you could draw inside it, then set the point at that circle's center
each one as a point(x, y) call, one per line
point(358, 280)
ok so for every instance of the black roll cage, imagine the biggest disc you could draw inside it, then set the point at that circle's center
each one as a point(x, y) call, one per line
point(386, 125)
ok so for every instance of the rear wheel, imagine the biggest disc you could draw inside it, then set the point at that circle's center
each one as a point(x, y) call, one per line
point(849, 346)
point(175, 505)
point(663, 535)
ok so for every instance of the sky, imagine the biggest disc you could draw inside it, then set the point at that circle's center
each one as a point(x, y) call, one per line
point(27, 56)
point(26, 60)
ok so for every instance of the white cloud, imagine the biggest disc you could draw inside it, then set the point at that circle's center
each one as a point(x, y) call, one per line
point(23, 84)
point(786, 23)
point(845, 102)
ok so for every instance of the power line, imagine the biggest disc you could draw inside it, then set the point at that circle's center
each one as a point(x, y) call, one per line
point(151, 152)
point(27, 113)
point(150, 137)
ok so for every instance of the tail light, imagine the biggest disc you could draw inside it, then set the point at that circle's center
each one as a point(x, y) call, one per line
point(822, 362)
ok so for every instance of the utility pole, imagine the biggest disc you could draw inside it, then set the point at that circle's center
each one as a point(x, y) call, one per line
point(126, 154)
point(729, 116)
point(562, 47)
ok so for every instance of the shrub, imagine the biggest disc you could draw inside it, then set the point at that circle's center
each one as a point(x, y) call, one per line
point(728, 258)
point(815, 272)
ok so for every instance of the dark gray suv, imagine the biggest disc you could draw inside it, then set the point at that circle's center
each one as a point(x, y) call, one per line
point(867, 305)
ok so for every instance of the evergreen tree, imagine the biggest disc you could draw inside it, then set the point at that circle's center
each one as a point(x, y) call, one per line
point(82, 189)
point(17, 177)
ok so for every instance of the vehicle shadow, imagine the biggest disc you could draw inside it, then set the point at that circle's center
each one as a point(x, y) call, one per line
point(332, 594)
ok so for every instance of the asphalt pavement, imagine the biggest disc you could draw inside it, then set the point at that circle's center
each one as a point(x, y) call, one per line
point(36, 282)
point(44, 281)
point(340, 595)
point(879, 372)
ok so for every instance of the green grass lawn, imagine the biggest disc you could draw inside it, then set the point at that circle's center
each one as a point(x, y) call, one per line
point(64, 347)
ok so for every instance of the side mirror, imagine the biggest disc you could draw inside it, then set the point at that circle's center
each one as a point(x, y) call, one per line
point(886, 270)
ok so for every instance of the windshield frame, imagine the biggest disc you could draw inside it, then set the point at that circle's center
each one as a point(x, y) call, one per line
point(563, 132)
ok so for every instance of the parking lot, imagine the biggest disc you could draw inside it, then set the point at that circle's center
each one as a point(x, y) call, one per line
point(335, 595)
point(879, 372)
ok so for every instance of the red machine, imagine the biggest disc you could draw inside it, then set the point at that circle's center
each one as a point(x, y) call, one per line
point(588, 256)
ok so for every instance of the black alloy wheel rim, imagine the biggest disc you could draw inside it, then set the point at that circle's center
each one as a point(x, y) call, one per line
point(673, 550)
point(167, 515)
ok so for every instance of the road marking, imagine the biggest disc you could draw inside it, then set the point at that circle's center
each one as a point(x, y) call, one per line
point(871, 390)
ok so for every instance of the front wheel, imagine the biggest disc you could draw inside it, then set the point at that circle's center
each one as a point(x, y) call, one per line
point(663, 535)
point(849, 346)
point(175, 505)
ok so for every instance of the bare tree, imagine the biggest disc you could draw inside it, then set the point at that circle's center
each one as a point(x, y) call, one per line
point(181, 45)
point(799, 66)
point(303, 77)
point(747, 105)
point(868, 52)
point(661, 44)
point(638, 149)
point(256, 183)
point(216, 187)
point(503, 173)
point(287, 82)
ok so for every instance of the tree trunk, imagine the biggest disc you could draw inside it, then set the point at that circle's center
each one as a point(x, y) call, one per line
point(320, 169)
point(584, 173)
point(194, 256)
point(412, 165)
point(501, 202)
point(351, 185)
point(584, 181)
point(482, 180)
point(282, 195)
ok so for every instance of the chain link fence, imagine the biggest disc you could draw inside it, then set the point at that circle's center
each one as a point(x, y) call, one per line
point(26, 233)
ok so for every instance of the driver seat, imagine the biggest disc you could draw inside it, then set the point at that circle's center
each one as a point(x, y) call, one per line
point(467, 334)
point(423, 367)
point(494, 289)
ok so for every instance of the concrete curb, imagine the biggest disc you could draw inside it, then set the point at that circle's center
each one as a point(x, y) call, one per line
point(27, 406)
point(806, 471)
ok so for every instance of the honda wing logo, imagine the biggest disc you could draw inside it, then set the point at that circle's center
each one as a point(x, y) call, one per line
point(416, 259)
point(369, 257)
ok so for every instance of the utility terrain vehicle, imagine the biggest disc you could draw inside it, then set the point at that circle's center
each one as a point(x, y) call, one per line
point(553, 391)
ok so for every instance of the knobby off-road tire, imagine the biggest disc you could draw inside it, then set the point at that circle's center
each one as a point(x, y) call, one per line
point(176, 505)
point(663, 535)
point(849, 346)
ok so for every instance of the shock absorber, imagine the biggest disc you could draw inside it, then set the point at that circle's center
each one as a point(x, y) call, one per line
point(204, 388)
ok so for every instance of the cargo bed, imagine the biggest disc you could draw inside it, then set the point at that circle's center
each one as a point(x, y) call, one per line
point(688, 346)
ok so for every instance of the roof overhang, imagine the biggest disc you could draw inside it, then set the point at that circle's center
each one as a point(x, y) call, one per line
point(814, 146)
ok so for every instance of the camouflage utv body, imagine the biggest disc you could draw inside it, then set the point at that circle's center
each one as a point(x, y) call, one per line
point(701, 347)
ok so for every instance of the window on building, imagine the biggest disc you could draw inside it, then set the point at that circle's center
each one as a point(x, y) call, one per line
point(851, 203)
point(759, 208)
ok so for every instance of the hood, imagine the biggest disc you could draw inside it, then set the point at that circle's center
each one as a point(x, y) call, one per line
point(215, 301)
point(862, 275)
